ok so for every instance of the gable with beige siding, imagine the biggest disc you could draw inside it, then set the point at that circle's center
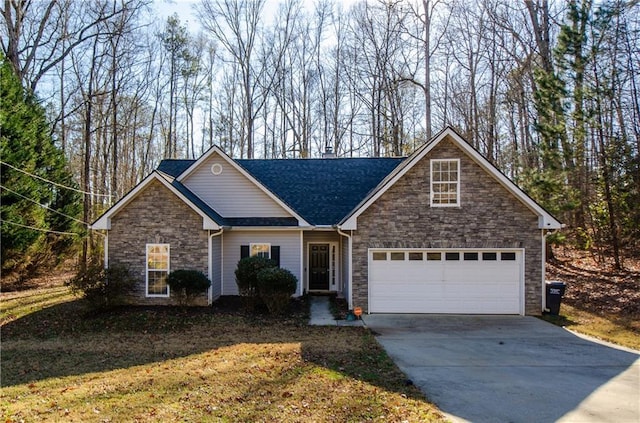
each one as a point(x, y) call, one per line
point(231, 193)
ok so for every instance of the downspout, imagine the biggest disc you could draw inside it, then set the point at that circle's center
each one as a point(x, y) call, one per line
point(211, 236)
point(544, 271)
point(350, 273)
point(302, 272)
point(106, 249)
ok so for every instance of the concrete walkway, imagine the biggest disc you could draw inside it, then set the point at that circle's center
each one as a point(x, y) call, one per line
point(321, 315)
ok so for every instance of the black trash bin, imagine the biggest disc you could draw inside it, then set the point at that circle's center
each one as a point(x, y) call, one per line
point(555, 291)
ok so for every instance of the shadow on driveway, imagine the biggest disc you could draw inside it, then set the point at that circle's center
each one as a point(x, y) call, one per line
point(511, 368)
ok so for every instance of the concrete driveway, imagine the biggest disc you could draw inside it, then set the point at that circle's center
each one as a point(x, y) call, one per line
point(511, 368)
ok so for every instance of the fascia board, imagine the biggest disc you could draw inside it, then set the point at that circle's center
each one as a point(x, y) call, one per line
point(545, 219)
point(188, 171)
point(266, 228)
point(207, 222)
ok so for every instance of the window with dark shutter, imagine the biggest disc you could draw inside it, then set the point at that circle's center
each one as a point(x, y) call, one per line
point(275, 254)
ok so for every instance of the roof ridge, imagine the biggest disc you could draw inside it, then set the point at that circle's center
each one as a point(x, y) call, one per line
point(328, 159)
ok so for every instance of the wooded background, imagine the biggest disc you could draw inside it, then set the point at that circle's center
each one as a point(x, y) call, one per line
point(546, 90)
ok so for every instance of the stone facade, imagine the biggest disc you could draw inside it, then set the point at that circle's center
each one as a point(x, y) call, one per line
point(488, 217)
point(157, 216)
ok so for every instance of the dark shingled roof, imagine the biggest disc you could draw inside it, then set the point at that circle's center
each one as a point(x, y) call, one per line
point(174, 167)
point(199, 203)
point(322, 191)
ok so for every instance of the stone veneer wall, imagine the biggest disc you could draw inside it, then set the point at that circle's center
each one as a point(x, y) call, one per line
point(488, 217)
point(156, 215)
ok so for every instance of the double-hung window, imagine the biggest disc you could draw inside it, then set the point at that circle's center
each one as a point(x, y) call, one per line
point(261, 250)
point(157, 270)
point(445, 182)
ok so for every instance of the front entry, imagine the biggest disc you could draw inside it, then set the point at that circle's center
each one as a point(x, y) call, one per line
point(319, 267)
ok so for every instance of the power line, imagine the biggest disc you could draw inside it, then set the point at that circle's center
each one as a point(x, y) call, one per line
point(42, 205)
point(55, 183)
point(49, 231)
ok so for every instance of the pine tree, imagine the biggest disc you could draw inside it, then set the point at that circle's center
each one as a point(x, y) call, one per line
point(32, 210)
point(572, 58)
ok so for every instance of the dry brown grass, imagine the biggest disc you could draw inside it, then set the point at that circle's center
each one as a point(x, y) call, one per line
point(191, 365)
point(615, 329)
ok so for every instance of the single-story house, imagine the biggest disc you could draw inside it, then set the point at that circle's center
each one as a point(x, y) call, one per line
point(440, 231)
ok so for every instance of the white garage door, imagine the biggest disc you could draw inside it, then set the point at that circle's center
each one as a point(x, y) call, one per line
point(446, 281)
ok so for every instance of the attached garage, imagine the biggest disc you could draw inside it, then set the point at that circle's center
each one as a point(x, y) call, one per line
point(450, 281)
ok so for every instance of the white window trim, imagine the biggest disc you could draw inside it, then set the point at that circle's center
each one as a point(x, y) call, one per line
point(146, 265)
point(431, 193)
point(259, 243)
point(334, 256)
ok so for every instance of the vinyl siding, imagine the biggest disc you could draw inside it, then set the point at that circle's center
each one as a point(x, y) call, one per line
point(216, 266)
point(289, 243)
point(230, 193)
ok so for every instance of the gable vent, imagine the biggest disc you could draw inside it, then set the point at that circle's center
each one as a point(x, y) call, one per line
point(216, 168)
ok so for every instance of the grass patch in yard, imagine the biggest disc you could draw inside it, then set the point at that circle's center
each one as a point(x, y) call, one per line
point(15, 305)
point(615, 329)
point(202, 364)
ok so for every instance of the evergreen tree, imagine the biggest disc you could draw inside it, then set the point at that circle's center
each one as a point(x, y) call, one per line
point(38, 217)
point(548, 184)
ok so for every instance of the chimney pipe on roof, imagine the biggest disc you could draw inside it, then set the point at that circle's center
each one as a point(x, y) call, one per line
point(328, 153)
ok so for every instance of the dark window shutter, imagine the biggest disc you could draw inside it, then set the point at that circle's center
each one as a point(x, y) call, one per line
point(244, 251)
point(275, 254)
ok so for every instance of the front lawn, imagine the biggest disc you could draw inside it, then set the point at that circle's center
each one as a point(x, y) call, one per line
point(620, 330)
point(168, 364)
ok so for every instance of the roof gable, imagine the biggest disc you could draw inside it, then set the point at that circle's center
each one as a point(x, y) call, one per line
point(545, 219)
point(210, 218)
point(231, 190)
point(320, 192)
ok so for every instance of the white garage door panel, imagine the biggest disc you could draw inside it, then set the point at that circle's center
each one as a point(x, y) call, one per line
point(456, 286)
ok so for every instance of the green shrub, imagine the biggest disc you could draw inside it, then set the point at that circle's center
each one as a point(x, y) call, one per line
point(103, 288)
point(247, 278)
point(187, 284)
point(275, 287)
